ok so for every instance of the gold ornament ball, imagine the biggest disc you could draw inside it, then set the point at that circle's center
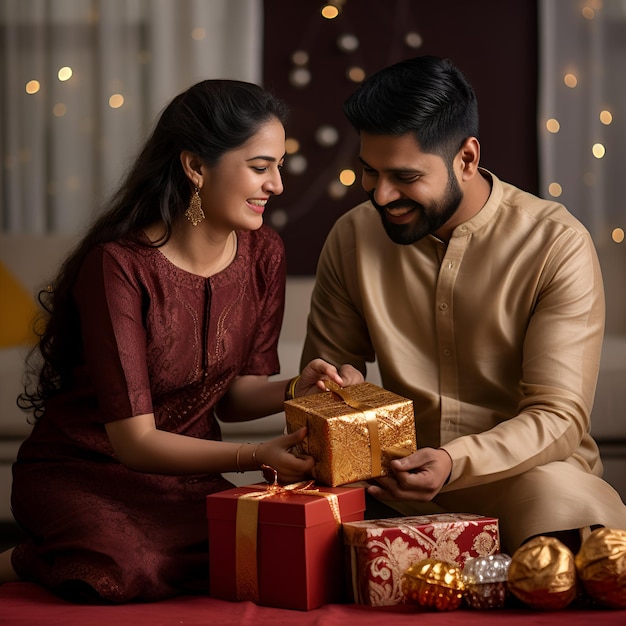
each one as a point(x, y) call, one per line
point(434, 584)
point(542, 574)
point(601, 566)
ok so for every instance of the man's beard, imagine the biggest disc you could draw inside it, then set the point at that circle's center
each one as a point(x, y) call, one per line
point(428, 219)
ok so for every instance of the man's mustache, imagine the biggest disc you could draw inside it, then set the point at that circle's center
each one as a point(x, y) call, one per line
point(396, 204)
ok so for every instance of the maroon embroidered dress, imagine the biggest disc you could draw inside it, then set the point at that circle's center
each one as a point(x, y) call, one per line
point(155, 339)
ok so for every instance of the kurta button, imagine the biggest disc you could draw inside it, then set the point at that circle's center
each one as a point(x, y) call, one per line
point(443, 306)
point(447, 352)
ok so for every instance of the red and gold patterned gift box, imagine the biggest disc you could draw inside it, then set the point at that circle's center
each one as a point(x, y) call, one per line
point(380, 551)
point(280, 547)
point(353, 433)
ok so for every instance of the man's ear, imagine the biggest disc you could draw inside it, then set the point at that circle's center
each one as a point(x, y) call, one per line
point(470, 157)
point(192, 166)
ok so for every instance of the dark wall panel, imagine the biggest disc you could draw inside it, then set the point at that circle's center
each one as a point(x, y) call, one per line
point(493, 42)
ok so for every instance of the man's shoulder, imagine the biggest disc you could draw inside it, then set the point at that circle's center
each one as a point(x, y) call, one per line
point(539, 210)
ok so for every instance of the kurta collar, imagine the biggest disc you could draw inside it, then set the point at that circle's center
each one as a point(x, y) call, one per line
point(485, 215)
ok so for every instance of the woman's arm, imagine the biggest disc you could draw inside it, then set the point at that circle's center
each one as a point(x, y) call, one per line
point(251, 397)
point(140, 446)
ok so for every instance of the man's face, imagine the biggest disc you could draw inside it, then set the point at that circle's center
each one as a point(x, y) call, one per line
point(415, 193)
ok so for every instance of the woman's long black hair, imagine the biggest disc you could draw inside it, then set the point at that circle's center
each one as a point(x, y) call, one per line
point(209, 119)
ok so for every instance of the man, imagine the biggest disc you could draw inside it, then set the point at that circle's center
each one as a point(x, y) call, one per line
point(480, 302)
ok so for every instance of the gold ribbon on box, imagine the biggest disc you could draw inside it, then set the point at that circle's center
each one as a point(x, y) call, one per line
point(370, 420)
point(247, 526)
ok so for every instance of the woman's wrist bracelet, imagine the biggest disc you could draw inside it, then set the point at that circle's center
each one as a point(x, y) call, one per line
point(256, 462)
point(239, 470)
point(290, 391)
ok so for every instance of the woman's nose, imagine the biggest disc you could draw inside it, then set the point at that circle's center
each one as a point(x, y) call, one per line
point(274, 184)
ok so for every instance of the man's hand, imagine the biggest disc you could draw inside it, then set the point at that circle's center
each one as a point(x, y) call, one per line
point(419, 476)
point(317, 372)
point(350, 375)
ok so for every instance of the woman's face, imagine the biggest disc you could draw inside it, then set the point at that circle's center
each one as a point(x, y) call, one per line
point(235, 191)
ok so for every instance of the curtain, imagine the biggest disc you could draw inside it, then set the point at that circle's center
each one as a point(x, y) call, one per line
point(582, 127)
point(82, 82)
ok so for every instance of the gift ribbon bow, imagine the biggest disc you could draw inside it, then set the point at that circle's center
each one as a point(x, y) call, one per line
point(247, 525)
point(370, 419)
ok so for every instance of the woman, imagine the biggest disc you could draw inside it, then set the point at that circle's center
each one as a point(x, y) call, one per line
point(165, 316)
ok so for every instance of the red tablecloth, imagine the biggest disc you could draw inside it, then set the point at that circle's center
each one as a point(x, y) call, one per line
point(26, 604)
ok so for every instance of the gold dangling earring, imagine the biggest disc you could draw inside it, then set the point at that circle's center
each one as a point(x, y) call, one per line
point(194, 212)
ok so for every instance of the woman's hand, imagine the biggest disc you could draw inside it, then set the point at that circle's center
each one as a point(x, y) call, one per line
point(317, 371)
point(276, 453)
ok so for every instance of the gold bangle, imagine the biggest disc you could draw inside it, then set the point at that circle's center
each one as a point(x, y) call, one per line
point(254, 455)
point(290, 393)
point(237, 457)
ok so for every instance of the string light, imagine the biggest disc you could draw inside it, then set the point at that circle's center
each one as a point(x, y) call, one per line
point(348, 43)
point(588, 13)
point(598, 150)
point(59, 109)
point(553, 125)
point(356, 74)
point(555, 190)
point(32, 86)
point(279, 218)
point(617, 235)
point(300, 77)
point(326, 136)
point(606, 117)
point(116, 100)
point(300, 57)
point(296, 164)
point(413, 40)
point(64, 74)
point(570, 80)
point(595, 175)
point(336, 190)
point(347, 177)
point(291, 145)
point(330, 12)
point(590, 9)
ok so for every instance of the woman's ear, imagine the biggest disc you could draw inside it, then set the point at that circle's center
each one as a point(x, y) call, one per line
point(192, 166)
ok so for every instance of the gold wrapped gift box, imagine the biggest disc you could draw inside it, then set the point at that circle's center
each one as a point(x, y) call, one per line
point(353, 433)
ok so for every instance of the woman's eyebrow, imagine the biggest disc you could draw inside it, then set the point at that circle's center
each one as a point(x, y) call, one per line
point(265, 158)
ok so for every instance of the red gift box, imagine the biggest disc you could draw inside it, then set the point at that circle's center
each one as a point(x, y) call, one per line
point(297, 562)
point(380, 551)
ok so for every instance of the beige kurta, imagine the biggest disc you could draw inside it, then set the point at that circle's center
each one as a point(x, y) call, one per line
point(496, 337)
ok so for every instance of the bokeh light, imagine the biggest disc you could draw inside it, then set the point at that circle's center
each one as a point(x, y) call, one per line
point(65, 73)
point(32, 86)
point(116, 100)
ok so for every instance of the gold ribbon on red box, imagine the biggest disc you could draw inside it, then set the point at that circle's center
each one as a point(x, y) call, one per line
point(247, 526)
